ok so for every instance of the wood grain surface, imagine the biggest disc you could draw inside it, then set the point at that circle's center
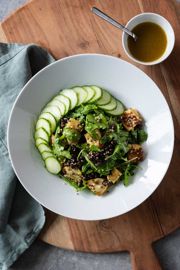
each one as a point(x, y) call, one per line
point(67, 27)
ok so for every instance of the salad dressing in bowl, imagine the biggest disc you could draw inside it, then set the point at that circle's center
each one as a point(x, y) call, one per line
point(155, 39)
point(150, 44)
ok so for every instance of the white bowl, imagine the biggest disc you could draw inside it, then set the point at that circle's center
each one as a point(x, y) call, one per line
point(126, 82)
point(155, 18)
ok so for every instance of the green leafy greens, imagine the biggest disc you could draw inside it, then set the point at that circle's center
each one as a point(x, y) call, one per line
point(109, 147)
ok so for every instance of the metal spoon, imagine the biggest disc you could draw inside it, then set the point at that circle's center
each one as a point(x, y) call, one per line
point(104, 16)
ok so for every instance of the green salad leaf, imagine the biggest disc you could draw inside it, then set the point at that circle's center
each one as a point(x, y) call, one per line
point(137, 136)
point(60, 152)
point(142, 136)
point(74, 184)
point(94, 148)
point(128, 172)
point(72, 135)
point(120, 150)
point(106, 167)
point(95, 122)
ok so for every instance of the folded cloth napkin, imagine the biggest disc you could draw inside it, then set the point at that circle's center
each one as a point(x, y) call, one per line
point(21, 217)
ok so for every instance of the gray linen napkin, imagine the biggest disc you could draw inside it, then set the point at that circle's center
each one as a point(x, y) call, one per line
point(21, 217)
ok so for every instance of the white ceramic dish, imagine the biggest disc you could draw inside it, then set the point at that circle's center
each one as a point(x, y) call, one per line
point(126, 82)
point(155, 18)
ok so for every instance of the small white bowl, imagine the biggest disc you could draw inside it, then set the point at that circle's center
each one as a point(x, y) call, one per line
point(155, 18)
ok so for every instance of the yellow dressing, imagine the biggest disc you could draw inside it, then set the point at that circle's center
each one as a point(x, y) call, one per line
point(151, 43)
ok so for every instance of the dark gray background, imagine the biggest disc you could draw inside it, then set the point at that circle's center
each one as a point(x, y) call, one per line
point(41, 256)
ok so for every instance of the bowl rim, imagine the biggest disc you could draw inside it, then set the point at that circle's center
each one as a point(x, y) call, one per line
point(163, 57)
point(62, 60)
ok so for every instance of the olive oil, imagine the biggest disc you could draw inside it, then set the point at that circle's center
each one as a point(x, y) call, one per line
point(150, 44)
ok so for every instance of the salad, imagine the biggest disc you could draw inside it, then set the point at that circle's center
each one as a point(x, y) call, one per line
point(90, 139)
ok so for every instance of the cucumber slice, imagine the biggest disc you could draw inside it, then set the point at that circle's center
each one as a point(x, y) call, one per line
point(54, 110)
point(43, 123)
point(54, 102)
point(97, 93)
point(46, 154)
point(41, 133)
point(59, 104)
point(110, 106)
point(118, 110)
point(90, 93)
point(71, 95)
point(105, 98)
point(44, 147)
point(81, 93)
point(39, 141)
point(50, 118)
point(52, 165)
point(65, 101)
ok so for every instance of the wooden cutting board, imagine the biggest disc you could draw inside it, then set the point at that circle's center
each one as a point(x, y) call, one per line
point(68, 27)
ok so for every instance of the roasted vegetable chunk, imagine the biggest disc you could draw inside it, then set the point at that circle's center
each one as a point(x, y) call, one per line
point(73, 174)
point(114, 176)
point(130, 119)
point(74, 124)
point(135, 153)
point(98, 185)
point(91, 141)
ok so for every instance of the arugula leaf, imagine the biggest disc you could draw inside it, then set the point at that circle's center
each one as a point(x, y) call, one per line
point(95, 121)
point(75, 185)
point(105, 139)
point(133, 136)
point(58, 130)
point(94, 148)
point(142, 136)
point(126, 176)
point(65, 153)
point(107, 167)
point(59, 151)
point(137, 136)
point(120, 150)
point(120, 137)
point(119, 127)
point(57, 148)
point(80, 153)
point(128, 172)
point(89, 161)
point(84, 110)
point(85, 167)
point(95, 134)
point(101, 121)
point(89, 171)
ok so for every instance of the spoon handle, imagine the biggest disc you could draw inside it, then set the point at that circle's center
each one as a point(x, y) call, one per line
point(104, 16)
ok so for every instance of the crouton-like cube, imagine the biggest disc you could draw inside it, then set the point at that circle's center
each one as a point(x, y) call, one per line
point(135, 154)
point(97, 186)
point(114, 176)
point(74, 124)
point(92, 141)
point(73, 173)
point(131, 118)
